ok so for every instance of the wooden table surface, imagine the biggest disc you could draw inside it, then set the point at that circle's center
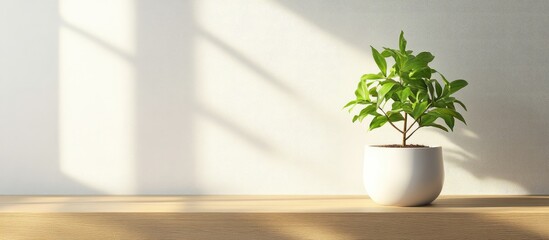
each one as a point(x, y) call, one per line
point(270, 217)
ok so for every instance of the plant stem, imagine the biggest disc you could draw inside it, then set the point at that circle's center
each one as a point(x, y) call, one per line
point(404, 131)
point(419, 117)
point(412, 133)
point(414, 123)
point(384, 113)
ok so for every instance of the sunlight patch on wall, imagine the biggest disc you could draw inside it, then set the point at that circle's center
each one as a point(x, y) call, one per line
point(255, 127)
point(111, 21)
point(96, 97)
point(231, 163)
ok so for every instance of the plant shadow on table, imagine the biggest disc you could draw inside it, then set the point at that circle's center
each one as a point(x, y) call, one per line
point(290, 226)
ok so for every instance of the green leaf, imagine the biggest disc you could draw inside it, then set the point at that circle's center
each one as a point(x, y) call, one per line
point(361, 92)
point(404, 94)
point(392, 72)
point(426, 57)
point(399, 58)
point(387, 53)
point(402, 43)
point(355, 118)
point(388, 80)
point(395, 116)
point(430, 88)
point(448, 111)
point(377, 122)
point(440, 104)
point(427, 119)
point(385, 88)
point(437, 126)
point(420, 61)
point(449, 122)
point(380, 61)
point(448, 100)
point(373, 92)
point(417, 84)
point(407, 107)
point(438, 88)
point(424, 72)
point(457, 85)
point(446, 89)
point(368, 110)
point(421, 96)
point(448, 119)
point(444, 79)
point(353, 103)
point(402, 107)
point(396, 106)
point(461, 104)
point(419, 108)
point(372, 76)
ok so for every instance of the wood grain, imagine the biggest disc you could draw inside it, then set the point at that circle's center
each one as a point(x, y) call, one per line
point(270, 217)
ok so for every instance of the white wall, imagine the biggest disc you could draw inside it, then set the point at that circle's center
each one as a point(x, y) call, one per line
point(245, 97)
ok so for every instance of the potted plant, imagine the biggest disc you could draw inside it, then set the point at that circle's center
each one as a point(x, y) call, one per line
point(407, 96)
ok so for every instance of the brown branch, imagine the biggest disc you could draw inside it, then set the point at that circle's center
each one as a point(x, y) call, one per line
point(419, 117)
point(390, 121)
point(413, 123)
point(412, 133)
point(404, 130)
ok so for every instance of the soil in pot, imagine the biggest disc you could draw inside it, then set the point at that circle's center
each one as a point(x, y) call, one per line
point(401, 146)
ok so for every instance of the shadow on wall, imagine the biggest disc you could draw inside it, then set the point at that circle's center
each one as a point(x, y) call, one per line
point(506, 97)
point(29, 105)
point(165, 161)
point(164, 93)
point(30, 109)
point(507, 136)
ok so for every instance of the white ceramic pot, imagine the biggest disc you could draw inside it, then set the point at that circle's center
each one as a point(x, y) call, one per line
point(403, 176)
